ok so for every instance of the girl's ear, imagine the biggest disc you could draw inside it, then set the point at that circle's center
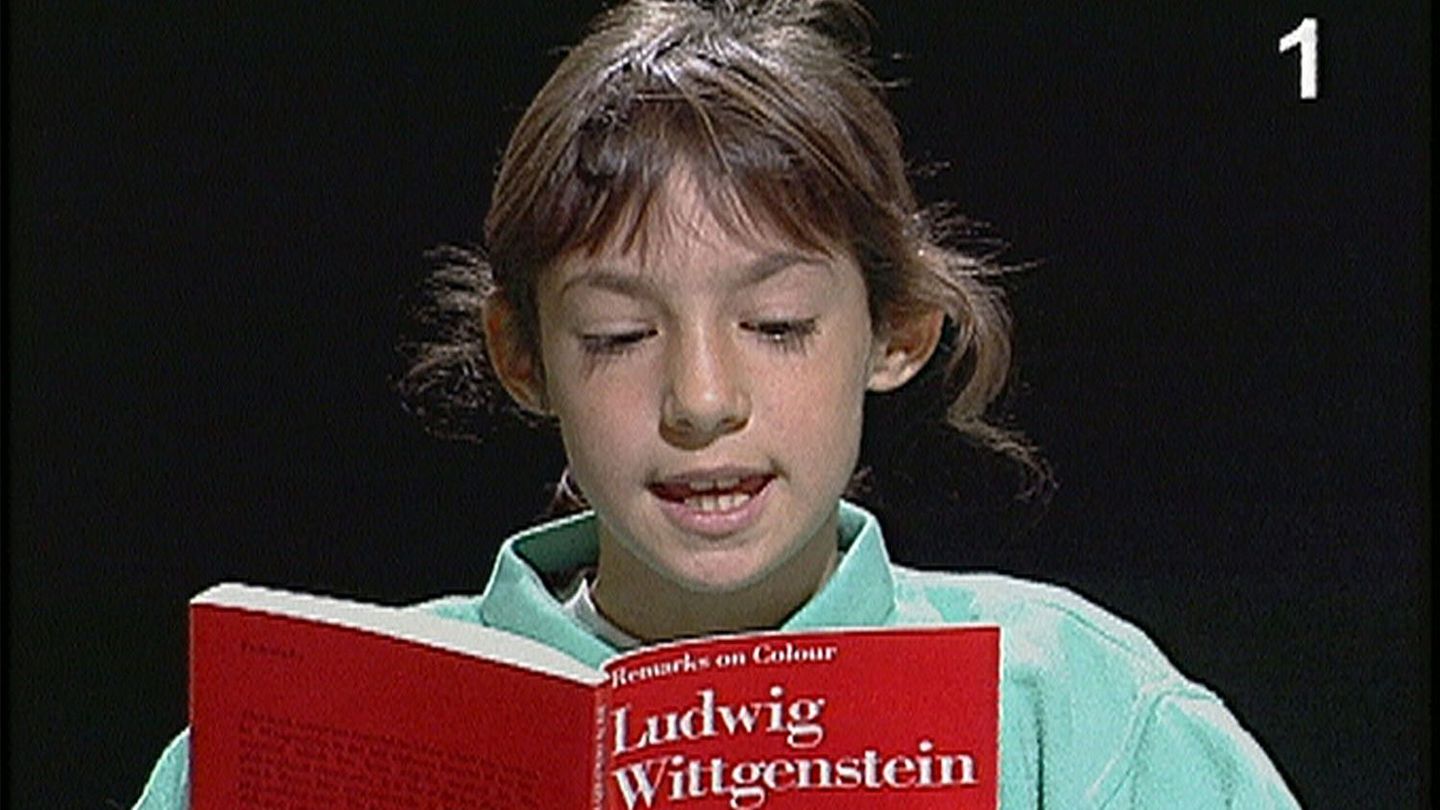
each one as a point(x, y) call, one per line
point(903, 347)
point(514, 362)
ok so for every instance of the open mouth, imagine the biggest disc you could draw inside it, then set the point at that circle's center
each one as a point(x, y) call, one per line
point(711, 495)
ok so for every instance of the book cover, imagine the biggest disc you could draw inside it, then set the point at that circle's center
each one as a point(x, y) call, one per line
point(301, 701)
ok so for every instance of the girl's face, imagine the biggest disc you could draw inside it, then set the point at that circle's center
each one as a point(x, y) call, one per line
point(709, 393)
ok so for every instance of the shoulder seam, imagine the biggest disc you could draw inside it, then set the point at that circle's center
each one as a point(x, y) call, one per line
point(1140, 648)
point(1107, 785)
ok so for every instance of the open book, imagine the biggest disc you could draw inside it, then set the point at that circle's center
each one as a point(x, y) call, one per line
point(302, 701)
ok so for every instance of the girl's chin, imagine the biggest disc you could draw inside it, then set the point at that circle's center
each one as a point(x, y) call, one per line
point(717, 580)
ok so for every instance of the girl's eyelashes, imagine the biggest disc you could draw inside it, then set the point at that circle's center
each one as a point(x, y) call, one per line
point(784, 334)
point(613, 344)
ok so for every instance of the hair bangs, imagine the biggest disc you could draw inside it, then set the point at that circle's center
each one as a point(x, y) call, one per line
point(754, 185)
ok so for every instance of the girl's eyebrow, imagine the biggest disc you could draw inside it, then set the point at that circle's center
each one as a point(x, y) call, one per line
point(638, 285)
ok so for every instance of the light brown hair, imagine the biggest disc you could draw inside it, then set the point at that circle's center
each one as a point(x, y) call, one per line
point(772, 103)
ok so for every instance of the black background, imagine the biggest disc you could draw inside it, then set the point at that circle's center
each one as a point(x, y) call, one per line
point(218, 211)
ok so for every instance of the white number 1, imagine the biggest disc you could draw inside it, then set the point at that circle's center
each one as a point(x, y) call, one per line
point(1307, 36)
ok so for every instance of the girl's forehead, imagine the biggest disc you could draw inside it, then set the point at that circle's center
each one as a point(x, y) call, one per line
point(692, 217)
point(709, 261)
point(681, 244)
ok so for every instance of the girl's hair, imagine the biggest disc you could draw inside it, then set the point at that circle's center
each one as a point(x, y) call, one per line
point(770, 103)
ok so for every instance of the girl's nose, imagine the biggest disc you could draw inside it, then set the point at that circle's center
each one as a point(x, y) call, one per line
point(706, 393)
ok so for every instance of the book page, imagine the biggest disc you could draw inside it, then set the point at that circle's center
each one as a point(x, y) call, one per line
point(299, 714)
point(411, 624)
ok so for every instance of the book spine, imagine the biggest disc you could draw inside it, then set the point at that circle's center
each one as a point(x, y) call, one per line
point(600, 725)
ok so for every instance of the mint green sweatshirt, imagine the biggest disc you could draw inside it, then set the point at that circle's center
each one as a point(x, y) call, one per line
point(1092, 713)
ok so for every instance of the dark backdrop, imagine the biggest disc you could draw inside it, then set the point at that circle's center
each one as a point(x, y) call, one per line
point(218, 212)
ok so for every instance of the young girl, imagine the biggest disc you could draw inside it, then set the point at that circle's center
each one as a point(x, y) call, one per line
point(702, 252)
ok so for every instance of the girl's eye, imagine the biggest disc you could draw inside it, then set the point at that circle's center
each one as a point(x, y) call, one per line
point(613, 344)
point(787, 335)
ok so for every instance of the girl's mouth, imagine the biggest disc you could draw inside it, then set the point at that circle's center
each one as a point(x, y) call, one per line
point(715, 505)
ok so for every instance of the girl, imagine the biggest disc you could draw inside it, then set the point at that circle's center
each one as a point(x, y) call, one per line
point(702, 252)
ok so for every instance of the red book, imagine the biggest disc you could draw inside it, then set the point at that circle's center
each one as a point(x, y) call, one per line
point(302, 701)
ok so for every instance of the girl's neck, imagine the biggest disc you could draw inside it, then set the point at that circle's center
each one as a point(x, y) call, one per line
point(645, 604)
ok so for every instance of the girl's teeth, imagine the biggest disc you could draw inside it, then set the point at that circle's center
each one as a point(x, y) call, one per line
point(702, 487)
point(716, 503)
